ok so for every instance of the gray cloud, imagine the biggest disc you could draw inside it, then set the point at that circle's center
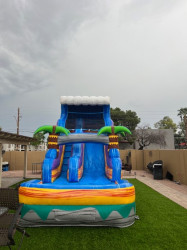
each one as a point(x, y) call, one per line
point(34, 35)
point(134, 51)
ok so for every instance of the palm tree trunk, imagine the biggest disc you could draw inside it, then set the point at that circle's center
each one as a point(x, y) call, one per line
point(113, 140)
point(53, 141)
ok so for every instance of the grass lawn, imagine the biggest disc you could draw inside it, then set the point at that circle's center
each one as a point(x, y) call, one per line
point(162, 225)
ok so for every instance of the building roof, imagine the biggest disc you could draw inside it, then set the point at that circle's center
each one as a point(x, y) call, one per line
point(10, 138)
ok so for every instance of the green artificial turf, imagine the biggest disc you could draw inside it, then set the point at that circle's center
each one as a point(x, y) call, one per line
point(162, 225)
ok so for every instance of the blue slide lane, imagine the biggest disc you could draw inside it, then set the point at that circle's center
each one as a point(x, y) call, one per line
point(75, 162)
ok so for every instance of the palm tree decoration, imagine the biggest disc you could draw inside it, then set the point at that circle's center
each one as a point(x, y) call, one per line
point(113, 137)
point(53, 134)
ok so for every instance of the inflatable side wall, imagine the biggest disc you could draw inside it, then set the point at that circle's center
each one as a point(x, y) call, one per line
point(52, 164)
point(76, 162)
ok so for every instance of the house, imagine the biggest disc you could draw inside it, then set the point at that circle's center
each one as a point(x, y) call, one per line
point(14, 147)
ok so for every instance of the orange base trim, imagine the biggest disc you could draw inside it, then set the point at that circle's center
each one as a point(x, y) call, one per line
point(41, 196)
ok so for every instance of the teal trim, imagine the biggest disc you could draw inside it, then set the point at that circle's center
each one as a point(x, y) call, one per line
point(104, 210)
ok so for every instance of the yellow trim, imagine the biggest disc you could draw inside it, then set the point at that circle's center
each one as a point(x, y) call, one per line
point(113, 143)
point(52, 143)
point(108, 171)
point(58, 169)
point(113, 136)
point(41, 196)
point(53, 136)
point(80, 172)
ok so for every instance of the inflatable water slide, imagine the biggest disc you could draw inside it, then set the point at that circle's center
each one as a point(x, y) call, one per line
point(81, 182)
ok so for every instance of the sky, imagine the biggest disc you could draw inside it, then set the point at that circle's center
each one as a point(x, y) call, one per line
point(134, 51)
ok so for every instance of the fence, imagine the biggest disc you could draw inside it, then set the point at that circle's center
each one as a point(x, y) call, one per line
point(174, 161)
point(37, 167)
point(16, 159)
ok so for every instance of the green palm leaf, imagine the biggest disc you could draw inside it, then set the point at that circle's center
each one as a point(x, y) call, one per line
point(121, 129)
point(49, 129)
point(105, 130)
point(117, 130)
point(123, 134)
point(45, 129)
point(61, 130)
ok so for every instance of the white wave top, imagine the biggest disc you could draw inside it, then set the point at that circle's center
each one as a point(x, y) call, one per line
point(85, 100)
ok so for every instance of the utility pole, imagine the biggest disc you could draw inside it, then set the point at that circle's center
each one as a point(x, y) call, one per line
point(18, 118)
point(17, 123)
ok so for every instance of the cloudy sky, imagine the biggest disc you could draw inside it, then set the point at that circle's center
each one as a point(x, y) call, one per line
point(134, 51)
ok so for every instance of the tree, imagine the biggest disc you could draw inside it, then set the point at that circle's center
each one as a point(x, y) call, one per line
point(181, 135)
point(179, 140)
point(181, 127)
point(125, 118)
point(166, 123)
point(40, 138)
point(144, 137)
point(182, 112)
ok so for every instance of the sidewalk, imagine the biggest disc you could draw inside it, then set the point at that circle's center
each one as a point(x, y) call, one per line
point(171, 190)
point(10, 178)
